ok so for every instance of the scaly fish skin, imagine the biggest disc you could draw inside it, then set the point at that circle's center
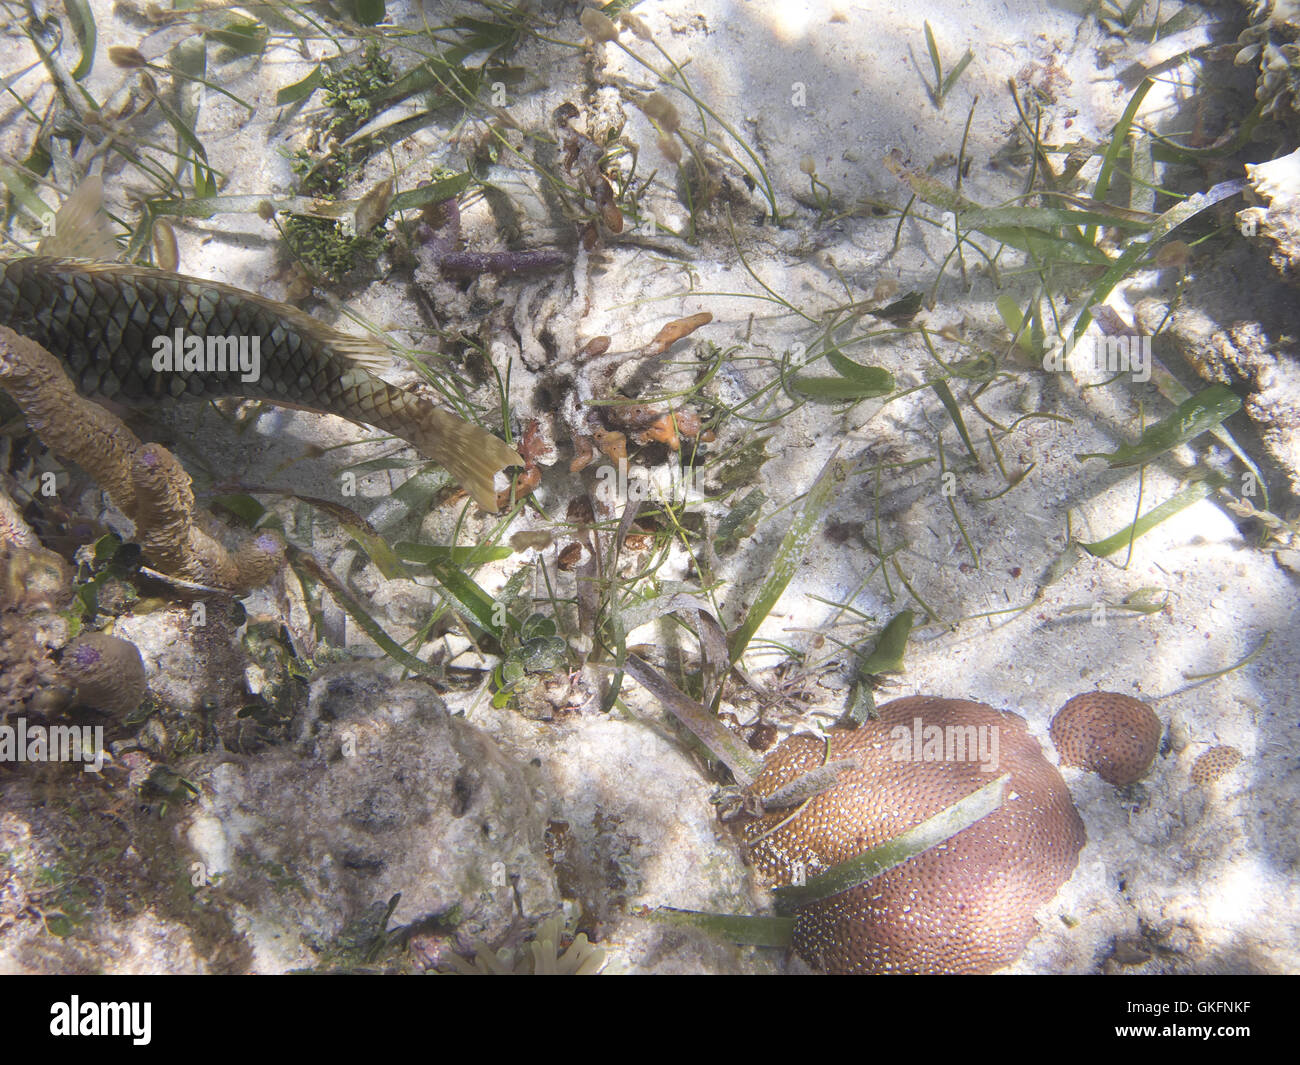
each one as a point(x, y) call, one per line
point(103, 321)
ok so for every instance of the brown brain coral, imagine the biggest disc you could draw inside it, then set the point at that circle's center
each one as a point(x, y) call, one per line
point(1212, 764)
point(145, 480)
point(966, 906)
point(107, 672)
point(1113, 735)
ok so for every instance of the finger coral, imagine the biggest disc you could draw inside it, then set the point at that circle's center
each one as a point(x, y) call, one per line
point(146, 482)
point(965, 906)
point(1112, 735)
point(438, 249)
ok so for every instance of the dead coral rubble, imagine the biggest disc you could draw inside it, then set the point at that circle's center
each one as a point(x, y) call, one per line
point(145, 481)
point(33, 585)
point(96, 670)
point(108, 672)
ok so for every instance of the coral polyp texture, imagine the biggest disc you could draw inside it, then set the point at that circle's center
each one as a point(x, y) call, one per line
point(1212, 764)
point(1110, 734)
point(964, 906)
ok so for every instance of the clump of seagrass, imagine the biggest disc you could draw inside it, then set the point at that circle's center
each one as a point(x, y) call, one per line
point(541, 956)
point(145, 481)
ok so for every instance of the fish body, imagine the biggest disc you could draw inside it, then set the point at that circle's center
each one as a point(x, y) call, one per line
point(136, 335)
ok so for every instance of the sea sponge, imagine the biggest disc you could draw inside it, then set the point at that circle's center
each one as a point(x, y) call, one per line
point(1212, 764)
point(1113, 735)
point(965, 906)
point(106, 671)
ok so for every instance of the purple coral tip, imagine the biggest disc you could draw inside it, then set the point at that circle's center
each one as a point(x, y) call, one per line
point(84, 656)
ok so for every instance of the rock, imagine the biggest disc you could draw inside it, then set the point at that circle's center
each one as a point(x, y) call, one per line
point(387, 793)
point(1227, 346)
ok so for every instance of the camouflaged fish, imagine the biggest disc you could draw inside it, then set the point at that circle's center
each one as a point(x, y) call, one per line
point(134, 335)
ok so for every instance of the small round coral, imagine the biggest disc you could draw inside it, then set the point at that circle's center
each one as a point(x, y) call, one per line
point(1212, 764)
point(965, 906)
point(1112, 735)
point(107, 672)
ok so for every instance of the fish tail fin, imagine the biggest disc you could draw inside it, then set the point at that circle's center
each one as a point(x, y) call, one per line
point(81, 229)
point(469, 453)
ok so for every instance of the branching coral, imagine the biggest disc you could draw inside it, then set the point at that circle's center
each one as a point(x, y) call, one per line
point(145, 481)
point(438, 248)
